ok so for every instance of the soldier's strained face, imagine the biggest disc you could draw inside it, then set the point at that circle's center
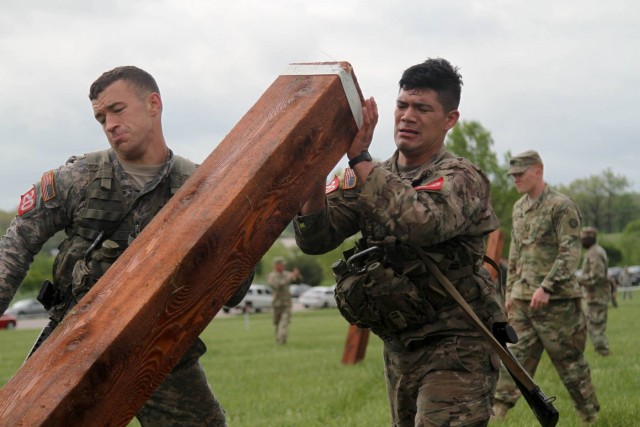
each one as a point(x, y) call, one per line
point(421, 123)
point(126, 119)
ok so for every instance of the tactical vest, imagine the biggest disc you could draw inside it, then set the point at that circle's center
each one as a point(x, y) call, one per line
point(107, 211)
point(388, 289)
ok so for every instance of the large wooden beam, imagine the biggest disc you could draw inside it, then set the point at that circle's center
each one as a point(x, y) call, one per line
point(110, 353)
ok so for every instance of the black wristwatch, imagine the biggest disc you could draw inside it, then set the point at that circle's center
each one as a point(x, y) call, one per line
point(362, 157)
point(547, 291)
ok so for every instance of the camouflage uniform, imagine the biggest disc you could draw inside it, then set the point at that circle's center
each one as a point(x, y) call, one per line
point(545, 251)
point(441, 372)
point(597, 293)
point(78, 198)
point(280, 282)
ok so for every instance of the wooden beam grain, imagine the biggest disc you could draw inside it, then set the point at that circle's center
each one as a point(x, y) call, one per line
point(109, 354)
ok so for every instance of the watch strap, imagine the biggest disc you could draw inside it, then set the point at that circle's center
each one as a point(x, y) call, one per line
point(362, 157)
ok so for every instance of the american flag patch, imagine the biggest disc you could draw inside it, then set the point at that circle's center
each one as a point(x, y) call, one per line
point(47, 187)
point(349, 180)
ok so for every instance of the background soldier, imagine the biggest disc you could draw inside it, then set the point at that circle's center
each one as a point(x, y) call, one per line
point(596, 289)
point(543, 298)
point(279, 280)
point(423, 198)
point(102, 201)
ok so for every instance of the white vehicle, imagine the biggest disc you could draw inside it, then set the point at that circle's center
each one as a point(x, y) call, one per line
point(318, 297)
point(258, 298)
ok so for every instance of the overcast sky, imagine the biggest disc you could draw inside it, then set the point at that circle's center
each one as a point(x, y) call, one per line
point(562, 77)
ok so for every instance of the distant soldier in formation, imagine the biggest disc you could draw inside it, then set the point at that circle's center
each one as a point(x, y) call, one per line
point(596, 289)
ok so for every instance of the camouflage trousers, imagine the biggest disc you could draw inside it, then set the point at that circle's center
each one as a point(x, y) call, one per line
point(282, 319)
point(185, 398)
point(447, 382)
point(560, 329)
point(596, 314)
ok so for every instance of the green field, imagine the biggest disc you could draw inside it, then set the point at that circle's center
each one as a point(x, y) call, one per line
point(303, 382)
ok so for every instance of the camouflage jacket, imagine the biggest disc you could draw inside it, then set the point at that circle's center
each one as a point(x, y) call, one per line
point(442, 206)
point(58, 202)
point(280, 282)
point(594, 277)
point(545, 247)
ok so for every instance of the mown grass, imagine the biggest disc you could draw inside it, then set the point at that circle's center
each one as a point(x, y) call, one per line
point(303, 383)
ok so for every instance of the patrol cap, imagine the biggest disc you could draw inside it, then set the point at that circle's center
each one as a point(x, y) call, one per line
point(278, 260)
point(589, 232)
point(522, 161)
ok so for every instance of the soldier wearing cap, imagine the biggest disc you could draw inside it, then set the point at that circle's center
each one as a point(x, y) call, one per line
point(543, 297)
point(596, 289)
point(279, 280)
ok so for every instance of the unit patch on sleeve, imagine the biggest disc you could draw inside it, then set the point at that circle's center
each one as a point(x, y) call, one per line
point(47, 187)
point(333, 185)
point(27, 201)
point(433, 185)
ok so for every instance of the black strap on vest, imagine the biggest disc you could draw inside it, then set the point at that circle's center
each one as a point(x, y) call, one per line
point(102, 236)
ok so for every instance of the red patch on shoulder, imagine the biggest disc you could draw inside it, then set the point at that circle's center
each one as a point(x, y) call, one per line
point(332, 186)
point(27, 201)
point(433, 185)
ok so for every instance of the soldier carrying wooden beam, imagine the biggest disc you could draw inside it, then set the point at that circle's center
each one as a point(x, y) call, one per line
point(124, 346)
point(103, 200)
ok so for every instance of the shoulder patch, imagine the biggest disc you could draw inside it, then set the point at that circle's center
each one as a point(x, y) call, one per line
point(332, 186)
point(433, 185)
point(27, 201)
point(47, 187)
point(573, 223)
point(349, 180)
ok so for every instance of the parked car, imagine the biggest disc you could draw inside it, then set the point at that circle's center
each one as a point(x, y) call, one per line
point(298, 289)
point(258, 298)
point(8, 321)
point(27, 307)
point(318, 297)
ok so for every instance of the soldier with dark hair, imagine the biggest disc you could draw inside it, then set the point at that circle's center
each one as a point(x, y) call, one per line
point(543, 297)
point(439, 369)
point(102, 201)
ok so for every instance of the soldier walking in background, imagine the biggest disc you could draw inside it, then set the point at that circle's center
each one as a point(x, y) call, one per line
point(596, 289)
point(543, 297)
point(279, 280)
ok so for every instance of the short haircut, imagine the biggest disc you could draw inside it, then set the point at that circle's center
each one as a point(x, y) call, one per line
point(140, 79)
point(438, 75)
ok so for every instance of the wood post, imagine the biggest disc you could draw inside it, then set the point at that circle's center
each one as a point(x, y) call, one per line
point(116, 346)
point(356, 345)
